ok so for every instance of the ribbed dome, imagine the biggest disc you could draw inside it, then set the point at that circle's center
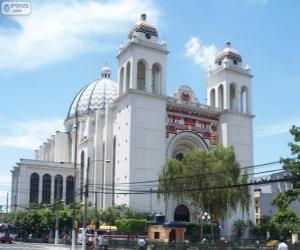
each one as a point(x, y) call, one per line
point(94, 96)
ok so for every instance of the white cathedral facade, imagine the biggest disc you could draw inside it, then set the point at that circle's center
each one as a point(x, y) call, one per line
point(126, 130)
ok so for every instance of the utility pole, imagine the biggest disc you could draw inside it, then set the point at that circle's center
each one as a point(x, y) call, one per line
point(150, 200)
point(7, 203)
point(74, 196)
point(96, 217)
point(86, 195)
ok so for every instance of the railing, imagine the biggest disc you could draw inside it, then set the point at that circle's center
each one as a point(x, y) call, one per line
point(132, 244)
point(192, 104)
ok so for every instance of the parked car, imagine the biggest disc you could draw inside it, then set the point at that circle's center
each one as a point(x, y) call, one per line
point(5, 237)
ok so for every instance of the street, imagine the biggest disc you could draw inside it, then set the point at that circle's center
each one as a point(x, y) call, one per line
point(34, 246)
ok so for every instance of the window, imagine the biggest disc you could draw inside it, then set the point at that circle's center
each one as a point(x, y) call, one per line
point(156, 235)
point(58, 187)
point(221, 97)
point(46, 193)
point(141, 75)
point(127, 76)
point(70, 189)
point(122, 81)
point(244, 100)
point(156, 78)
point(34, 188)
point(232, 97)
point(213, 98)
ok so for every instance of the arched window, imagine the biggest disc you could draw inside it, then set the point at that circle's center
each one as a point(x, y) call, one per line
point(156, 78)
point(70, 189)
point(82, 160)
point(212, 97)
point(182, 213)
point(128, 76)
point(141, 75)
point(244, 100)
point(122, 87)
point(58, 187)
point(46, 193)
point(34, 188)
point(179, 156)
point(221, 97)
point(232, 97)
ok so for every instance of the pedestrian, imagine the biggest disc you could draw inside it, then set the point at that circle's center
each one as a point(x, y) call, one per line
point(100, 242)
point(141, 243)
point(282, 245)
point(30, 236)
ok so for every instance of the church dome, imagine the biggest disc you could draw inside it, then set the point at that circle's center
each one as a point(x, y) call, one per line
point(143, 26)
point(95, 95)
point(228, 53)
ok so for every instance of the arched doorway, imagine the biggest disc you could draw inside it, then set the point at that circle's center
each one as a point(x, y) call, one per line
point(182, 213)
point(172, 235)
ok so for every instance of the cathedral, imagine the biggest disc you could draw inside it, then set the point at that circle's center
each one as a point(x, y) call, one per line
point(119, 134)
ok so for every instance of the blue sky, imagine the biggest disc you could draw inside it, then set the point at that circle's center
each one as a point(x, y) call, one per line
point(48, 56)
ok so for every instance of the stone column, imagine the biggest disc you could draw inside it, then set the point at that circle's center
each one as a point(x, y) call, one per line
point(52, 189)
point(40, 187)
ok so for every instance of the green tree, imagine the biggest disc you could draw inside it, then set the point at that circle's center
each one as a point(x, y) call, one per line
point(131, 226)
point(285, 219)
point(202, 170)
point(239, 228)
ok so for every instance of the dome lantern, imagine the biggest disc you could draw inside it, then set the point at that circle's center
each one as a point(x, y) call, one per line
point(106, 72)
point(228, 53)
point(144, 28)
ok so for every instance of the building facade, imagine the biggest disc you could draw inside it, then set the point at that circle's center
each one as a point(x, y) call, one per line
point(264, 194)
point(119, 134)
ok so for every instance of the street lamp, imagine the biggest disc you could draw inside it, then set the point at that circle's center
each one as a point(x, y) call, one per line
point(205, 218)
point(96, 202)
point(57, 224)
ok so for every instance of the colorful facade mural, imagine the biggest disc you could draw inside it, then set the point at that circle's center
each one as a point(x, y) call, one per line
point(184, 119)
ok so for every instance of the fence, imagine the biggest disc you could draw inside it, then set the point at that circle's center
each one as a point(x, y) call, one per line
point(132, 244)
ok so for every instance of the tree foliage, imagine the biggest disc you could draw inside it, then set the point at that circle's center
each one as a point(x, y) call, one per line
point(110, 215)
point(205, 169)
point(285, 219)
point(239, 228)
point(131, 226)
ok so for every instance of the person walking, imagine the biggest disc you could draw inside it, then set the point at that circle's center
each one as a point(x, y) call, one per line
point(282, 245)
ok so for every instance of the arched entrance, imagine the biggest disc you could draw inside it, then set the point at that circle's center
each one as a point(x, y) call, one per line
point(172, 235)
point(182, 213)
point(184, 142)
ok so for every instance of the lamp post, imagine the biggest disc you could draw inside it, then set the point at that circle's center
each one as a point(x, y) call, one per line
point(57, 223)
point(205, 218)
point(74, 196)
point(96, 205)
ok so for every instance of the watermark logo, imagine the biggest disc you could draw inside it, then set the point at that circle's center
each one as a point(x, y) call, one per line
point(15, 8)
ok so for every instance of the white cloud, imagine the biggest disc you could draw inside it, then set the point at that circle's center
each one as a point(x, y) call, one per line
point(202, 54)
point(275, 129)
point(58, 30)
point(28, 134)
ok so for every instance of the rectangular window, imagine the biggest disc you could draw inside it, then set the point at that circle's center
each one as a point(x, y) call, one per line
point(156, 235)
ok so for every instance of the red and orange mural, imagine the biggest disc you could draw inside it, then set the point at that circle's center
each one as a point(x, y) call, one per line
point(179, 119)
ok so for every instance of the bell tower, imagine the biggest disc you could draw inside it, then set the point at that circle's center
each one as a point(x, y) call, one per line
point(229, 83)
point(143, 60)
point(230, 90)
point(140, 117)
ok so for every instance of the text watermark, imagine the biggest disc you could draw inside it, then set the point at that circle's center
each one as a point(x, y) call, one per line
point(15, 8)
